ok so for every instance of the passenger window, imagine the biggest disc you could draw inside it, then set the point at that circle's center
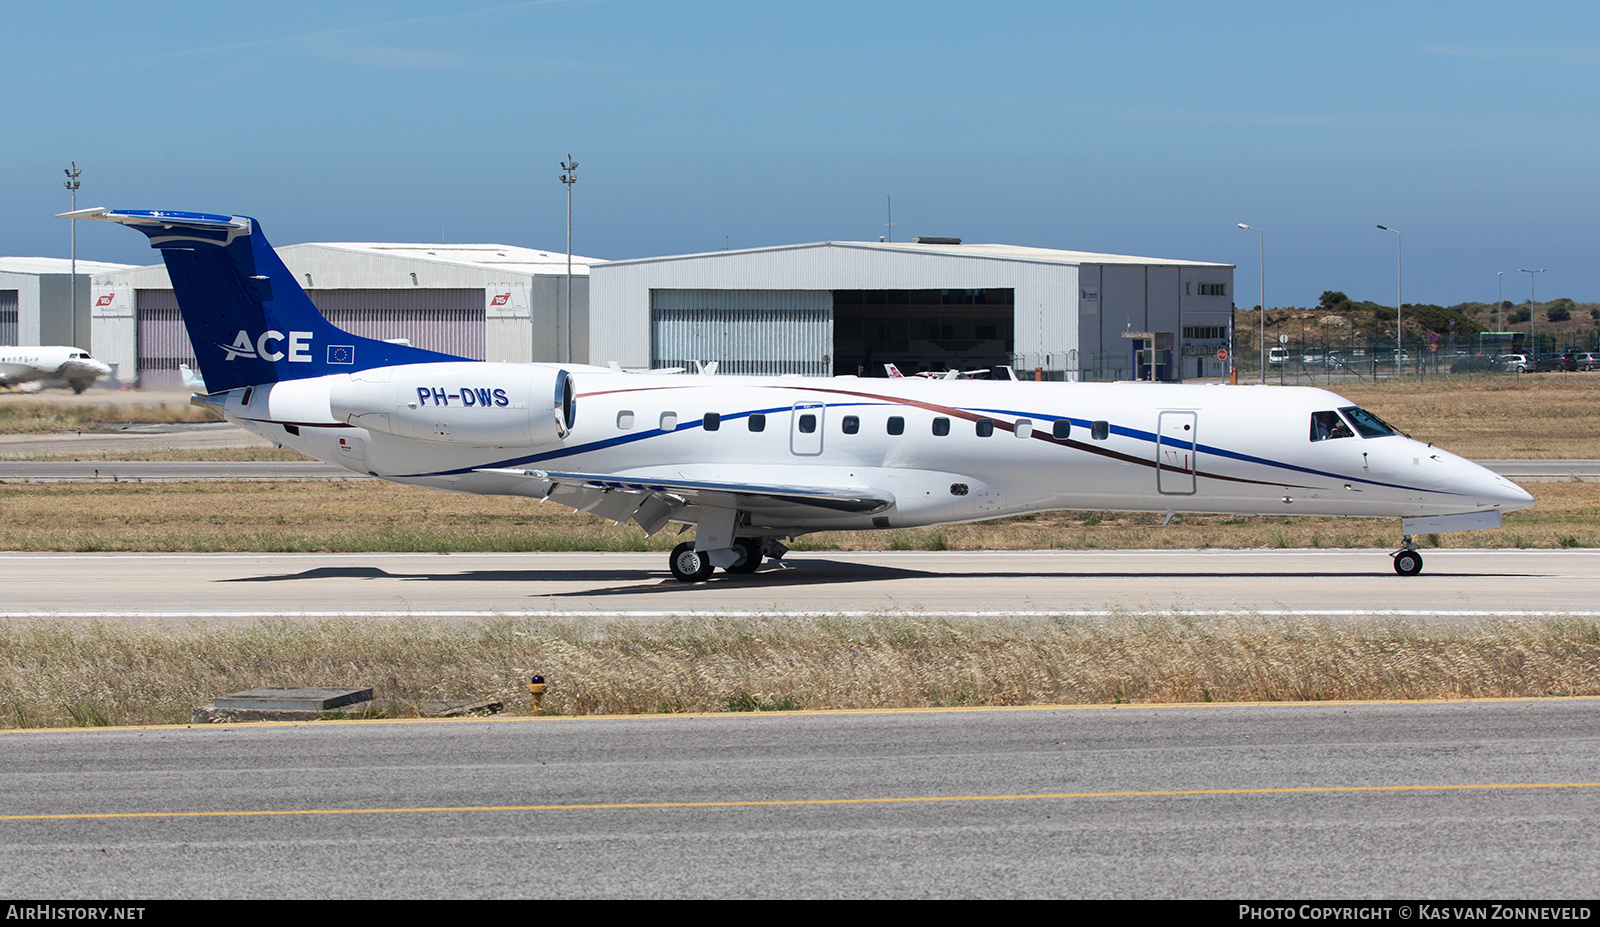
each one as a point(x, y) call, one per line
point(758, 421)
point(1100, 431)
point(1023, 428)
point(897, 425)
point(985, 427)
point(1328, 425)
point(669, 421)
point(711, 421)
point(941, 426)
point(851, 424)
point(625, 420)
point(808, 424)
point(1061, 429)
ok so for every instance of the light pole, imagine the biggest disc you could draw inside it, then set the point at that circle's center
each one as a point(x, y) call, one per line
point(569, 178)
point(1251, 228)
point(1533, 342)
point(1399, 297)
point(71, 184)
point(1500, 304)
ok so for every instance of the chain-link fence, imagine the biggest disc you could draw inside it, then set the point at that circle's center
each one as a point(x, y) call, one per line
point(1336, 360)
point(1330, 359)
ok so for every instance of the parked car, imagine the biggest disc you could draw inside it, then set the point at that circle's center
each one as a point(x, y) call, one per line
point(1277, 357)
point(1473, 363)
point(1513, 363)
point(1586, 360)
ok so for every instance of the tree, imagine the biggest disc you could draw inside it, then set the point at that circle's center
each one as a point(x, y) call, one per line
point(1333, 301)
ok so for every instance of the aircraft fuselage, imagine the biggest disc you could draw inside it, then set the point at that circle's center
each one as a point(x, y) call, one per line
point(943, 451)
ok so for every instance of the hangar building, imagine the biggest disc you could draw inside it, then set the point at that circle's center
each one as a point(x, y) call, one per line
point(488, 302)
point(35, 293)
point(848, 307)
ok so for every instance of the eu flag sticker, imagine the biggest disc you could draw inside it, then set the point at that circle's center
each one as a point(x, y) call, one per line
point(341, 353)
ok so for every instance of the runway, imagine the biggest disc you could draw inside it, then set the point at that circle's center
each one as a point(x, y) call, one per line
point(1444, 800)
point(1462, 585)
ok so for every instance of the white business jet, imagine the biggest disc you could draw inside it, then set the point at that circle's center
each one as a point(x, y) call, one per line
point(50, 365)
point(753, 461)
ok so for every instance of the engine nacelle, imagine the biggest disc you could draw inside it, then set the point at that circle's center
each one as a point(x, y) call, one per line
point(459, 402)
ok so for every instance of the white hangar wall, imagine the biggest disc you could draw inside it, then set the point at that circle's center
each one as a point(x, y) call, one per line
point(1068, 309)
point(36, 305)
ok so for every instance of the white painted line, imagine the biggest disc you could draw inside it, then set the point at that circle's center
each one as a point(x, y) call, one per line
point(878, 613)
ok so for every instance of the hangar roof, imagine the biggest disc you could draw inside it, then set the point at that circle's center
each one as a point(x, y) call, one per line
point(494, 257)
point(366, 264)
point(47, 265)
point(997, 252)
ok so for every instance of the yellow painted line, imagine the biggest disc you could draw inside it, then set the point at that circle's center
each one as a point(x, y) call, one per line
point(810, 713)
point(802, 802)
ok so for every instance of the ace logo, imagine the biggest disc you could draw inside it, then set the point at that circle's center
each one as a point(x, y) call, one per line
point(299, 347)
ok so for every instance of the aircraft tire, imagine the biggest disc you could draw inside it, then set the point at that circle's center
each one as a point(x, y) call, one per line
point(749, 550)
point(689, 565)
point(78, 386)
point(1408, 563)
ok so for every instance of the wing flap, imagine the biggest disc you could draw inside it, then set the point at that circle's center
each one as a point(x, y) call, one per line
point(851, 499)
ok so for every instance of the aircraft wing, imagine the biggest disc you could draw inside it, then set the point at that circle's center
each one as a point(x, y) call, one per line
point(651, 500)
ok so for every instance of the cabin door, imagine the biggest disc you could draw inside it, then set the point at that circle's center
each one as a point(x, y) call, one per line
point(1175, 453)
point(805, 429)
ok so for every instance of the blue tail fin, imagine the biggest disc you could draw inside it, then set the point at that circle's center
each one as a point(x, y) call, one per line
point(248, 319)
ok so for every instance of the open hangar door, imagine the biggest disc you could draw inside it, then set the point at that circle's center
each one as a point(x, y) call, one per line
point(922, 330)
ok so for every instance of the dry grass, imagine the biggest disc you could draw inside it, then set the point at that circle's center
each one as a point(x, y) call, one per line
point(55, 675)
point(372, 515)
point(1492, 417)
point(169, 453)
point(29, 414)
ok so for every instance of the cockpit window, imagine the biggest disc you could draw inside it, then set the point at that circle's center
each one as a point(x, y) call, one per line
point(1328, 425)
point(1369, 425)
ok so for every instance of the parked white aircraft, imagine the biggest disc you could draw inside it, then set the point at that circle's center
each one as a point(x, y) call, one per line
point(50, 365)
point(751, 461)
point(192, 380)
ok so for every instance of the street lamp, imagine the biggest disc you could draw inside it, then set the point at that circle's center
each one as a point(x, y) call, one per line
point(1251, 228)
point(71, 183)
point(569, 178)
point(1500, 304)
point(1399, 300)
point(1533, 342)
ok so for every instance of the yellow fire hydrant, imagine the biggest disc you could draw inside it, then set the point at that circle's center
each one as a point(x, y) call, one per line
point(537, 689)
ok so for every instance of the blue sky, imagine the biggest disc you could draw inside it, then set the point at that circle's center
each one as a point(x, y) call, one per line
point(1141, 128)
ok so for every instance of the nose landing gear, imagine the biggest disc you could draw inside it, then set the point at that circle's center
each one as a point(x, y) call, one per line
point(1407, 562)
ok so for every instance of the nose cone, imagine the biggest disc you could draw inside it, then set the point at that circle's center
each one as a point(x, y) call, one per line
point(1501, 492)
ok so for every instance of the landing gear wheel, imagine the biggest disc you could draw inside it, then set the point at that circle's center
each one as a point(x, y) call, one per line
point(1408, 563)
point(749, 551)
point(688, 565)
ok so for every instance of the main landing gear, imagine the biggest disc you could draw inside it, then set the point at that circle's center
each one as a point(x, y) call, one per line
point(1407, 562)
point(694, 566)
